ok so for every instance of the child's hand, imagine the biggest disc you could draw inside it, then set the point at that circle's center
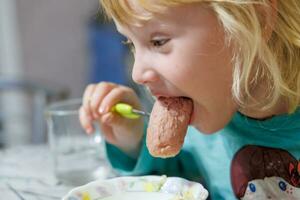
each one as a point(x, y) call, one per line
point(98, 100)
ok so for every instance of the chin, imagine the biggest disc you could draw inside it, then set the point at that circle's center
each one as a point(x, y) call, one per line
point(209, 127)
point(209, 122)
point(202, 123)
point(206, 130)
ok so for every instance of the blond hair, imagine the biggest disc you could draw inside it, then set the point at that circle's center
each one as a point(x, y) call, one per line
point(276, 60)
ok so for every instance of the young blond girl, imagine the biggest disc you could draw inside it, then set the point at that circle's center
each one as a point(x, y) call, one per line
point(239, 62)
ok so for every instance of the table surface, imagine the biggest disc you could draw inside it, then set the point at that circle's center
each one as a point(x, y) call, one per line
point(26, 173)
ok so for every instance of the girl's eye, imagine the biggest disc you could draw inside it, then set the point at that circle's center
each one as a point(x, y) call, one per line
point(252, 187)
point(129, 44)
point(159, 42)
point(282, 185)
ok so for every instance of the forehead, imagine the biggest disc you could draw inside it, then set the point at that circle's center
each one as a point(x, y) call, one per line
point(136, 12)
point(177, 16)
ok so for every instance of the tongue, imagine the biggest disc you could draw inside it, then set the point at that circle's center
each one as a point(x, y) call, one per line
point(168, 125)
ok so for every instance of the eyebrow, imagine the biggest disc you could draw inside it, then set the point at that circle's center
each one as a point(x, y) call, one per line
point(151, 28)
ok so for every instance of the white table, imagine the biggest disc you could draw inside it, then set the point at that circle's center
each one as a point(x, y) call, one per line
point(26, 173)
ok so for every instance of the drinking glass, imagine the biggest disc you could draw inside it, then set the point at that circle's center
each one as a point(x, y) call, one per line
point(78, 158)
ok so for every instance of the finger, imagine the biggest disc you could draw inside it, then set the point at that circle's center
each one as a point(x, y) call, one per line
point(119, 94)
point(131, 97)
point(107, 132)
point(112, 119)
point(85, 121)
point(100, 91)
point(87, 97)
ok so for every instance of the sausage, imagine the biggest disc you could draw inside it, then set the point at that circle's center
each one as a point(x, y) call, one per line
point(168, 124)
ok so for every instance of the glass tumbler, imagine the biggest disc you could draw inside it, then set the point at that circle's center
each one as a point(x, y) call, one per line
point(78, 158)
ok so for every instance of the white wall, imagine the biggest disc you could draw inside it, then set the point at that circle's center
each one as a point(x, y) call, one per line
point(10, 66)
point(45, 41)
point(54, 40)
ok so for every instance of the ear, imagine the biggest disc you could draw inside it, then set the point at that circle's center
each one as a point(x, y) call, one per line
point(270, 14)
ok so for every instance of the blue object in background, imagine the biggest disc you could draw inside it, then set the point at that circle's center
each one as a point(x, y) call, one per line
point(107, 54)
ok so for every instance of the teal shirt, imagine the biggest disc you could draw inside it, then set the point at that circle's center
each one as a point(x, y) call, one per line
point(228, 161)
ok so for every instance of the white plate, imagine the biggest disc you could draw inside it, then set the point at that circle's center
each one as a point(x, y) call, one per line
point(139, 187)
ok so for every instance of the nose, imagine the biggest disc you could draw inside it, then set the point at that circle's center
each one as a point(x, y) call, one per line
point(142, 72)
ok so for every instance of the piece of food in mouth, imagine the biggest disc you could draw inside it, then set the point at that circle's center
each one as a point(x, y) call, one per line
point(168, 124)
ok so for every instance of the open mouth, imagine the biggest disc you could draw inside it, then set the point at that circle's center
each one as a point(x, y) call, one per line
point(158, 95)
point(192, 115)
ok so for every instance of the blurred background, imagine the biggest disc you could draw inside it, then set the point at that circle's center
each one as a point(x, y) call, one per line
point(50, 51)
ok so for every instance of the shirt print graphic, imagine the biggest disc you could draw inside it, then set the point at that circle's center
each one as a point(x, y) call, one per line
point(259, 172)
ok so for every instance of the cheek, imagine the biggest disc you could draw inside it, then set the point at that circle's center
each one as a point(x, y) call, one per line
point(209, 72)
point(207, 80)
point(206, 77)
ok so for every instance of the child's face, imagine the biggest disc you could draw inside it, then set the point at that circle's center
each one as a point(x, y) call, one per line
point(182, 53)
